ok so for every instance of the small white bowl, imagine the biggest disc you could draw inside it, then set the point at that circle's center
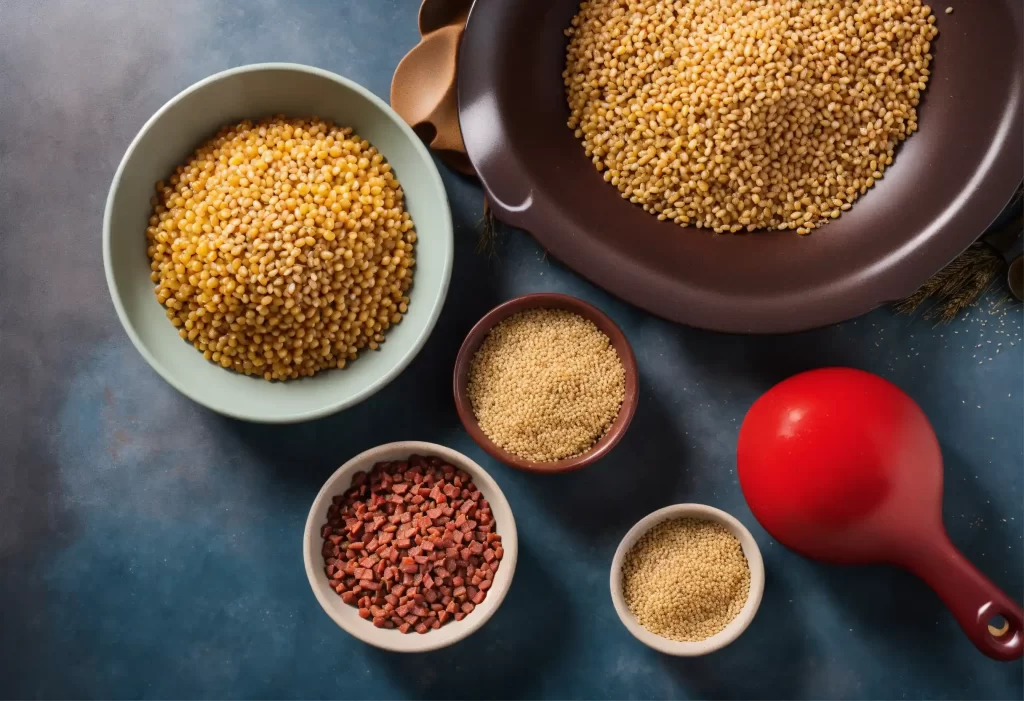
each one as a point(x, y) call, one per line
point(736, 626)
point(347, 616)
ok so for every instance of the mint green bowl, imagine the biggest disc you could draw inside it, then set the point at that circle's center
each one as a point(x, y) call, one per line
point(169, 138)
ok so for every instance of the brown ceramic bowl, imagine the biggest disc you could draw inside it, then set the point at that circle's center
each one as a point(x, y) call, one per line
point(947, 184)
point(546, 301)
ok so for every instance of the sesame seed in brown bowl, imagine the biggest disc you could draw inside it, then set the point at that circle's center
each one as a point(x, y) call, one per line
point(546, 383)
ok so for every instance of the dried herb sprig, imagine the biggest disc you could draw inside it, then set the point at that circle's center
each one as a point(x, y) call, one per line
point(963, 282)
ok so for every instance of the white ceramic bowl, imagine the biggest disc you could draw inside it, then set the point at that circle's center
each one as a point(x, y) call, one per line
point(347, 616)
point(736, 626)
point(169, 138)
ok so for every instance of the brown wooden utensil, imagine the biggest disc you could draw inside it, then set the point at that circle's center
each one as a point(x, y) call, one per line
point(423, 89)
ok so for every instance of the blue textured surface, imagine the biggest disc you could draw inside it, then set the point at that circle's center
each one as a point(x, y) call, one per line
point(149, 548)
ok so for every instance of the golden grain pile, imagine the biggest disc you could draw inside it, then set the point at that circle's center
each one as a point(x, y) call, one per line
point(686, 579)
point(546, 384)
point(746, 114)
point(282, 248)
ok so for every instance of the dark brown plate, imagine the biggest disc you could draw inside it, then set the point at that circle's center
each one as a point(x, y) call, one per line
point(946, 185)
point(546, 300)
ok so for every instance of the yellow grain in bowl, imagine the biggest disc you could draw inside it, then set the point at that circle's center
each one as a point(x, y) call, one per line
point(282, 247)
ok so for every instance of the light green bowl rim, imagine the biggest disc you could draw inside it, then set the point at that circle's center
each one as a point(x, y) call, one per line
point(435, 312)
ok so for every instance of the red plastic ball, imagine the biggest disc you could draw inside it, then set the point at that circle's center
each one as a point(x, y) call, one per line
point(840, 464)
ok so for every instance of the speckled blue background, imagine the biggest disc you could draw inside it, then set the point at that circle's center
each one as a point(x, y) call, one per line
point(150, 548)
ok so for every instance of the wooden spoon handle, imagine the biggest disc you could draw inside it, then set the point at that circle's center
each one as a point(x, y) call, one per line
point(972, 598)
point(424, 89)
point(435, 14)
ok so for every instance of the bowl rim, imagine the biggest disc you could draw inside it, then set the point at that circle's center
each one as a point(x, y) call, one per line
point(542, 300)
point(446, 273)
point(735, 627)
point(459, 630)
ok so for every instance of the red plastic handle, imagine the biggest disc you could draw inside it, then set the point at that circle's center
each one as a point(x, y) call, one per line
point(972, 598)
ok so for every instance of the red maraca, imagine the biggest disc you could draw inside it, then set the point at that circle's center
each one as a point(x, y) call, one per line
point(843, 466)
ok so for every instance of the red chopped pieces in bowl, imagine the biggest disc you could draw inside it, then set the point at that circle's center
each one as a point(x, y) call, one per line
point(412, 544)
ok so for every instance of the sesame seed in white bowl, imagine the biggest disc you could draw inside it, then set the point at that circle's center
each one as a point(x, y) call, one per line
point(754, 587)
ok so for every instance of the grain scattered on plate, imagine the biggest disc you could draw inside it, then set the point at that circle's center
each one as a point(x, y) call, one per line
point(746, 115)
